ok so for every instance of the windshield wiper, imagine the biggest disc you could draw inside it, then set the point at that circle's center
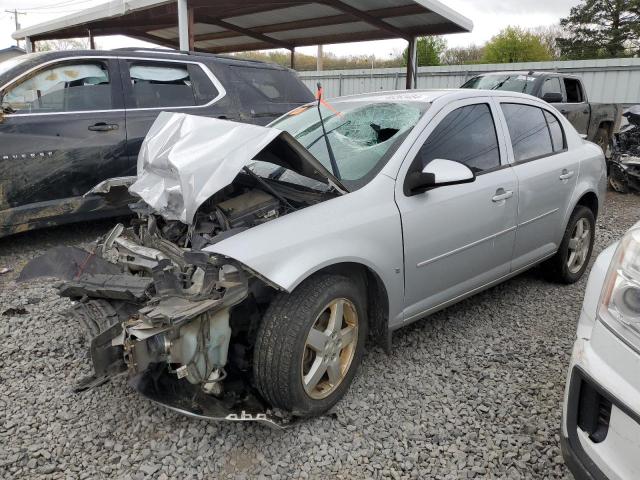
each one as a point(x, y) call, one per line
point(500, 84)
point(332, 158)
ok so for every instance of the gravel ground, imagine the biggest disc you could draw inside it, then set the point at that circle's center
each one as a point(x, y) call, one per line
point(474, 391)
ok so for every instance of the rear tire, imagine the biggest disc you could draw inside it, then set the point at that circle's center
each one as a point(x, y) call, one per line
point(305, 360)
point(572, 259)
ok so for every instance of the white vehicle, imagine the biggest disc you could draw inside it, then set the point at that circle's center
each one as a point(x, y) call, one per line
point(601, 415)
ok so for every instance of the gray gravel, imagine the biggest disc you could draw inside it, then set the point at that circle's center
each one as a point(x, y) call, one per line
point(473, 392)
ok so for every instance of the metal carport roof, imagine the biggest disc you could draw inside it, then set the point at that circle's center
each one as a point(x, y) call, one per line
point(223, 26)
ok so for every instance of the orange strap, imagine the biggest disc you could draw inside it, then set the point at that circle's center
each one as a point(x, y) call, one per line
point(326, 104)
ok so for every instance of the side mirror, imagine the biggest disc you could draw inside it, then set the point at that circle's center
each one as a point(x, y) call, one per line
point(438, 173)
point(551, 97)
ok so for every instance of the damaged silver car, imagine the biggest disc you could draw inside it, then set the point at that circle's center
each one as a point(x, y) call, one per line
point(261, 258)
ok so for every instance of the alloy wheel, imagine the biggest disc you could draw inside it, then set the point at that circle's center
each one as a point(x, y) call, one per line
point(579, 244)
point(329, 348)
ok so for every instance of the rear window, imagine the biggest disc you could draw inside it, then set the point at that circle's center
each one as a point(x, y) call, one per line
point(272, 85)
point(530, 133)
point(171, 84)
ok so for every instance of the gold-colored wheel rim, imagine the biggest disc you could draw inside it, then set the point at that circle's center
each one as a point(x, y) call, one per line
point(329, 348)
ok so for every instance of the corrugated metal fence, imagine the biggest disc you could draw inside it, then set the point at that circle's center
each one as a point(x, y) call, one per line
point(607, 81)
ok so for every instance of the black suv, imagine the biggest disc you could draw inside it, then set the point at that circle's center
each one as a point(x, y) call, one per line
point(72, 119)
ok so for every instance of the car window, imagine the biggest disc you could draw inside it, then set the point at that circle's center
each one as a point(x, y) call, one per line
point(64, 87)
point(551, 85)
point(529, 132)
point(516, 82)
point(466, 135)
point(574, 90)
point(158, 85)
point(271, 85)
point(556, 131)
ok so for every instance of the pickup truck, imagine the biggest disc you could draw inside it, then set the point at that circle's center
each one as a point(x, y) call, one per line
point(70, 120)
point(598, 122)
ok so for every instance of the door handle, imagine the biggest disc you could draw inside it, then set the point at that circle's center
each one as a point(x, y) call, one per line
point(502, 194)
point(103, 127)
point(566, 174)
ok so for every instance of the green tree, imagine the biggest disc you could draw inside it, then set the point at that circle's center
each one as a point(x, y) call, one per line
point(463, 55)
point(513, 45)
point(430, 50)
point(602, 28)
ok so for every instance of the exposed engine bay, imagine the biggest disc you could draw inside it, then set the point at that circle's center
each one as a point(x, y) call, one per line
point(179, 321)
point(624, 168)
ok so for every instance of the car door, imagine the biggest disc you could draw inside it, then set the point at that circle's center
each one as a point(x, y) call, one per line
point(67, 132)
point(547, 175)
point(458, 238)
point(575, 106)
point(152, 86)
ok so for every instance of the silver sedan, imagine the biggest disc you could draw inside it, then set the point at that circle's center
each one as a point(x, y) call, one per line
point(263, 257)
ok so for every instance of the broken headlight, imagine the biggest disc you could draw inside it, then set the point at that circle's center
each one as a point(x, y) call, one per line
point(620, 298)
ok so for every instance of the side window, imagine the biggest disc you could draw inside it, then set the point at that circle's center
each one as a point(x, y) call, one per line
point(551, 85)
point(259, 84)
point(556, 131)
point(528, 130)
point(158, 85)
point(64, 87)
point(574, 90)
point(466, 135)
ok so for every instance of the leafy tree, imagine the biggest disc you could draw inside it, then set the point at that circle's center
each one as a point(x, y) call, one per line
point(513, 45)
point(429, 49)
point(602, 28)
point(463, 55)
point(62, 44)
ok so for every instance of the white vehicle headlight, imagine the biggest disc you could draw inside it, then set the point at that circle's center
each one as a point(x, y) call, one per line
point(620, 298)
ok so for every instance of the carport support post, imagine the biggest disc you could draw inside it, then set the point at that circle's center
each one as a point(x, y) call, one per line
point(28, 45)
point(183, 25)
point(412, 63)
point(293, 58)
point(92, 40)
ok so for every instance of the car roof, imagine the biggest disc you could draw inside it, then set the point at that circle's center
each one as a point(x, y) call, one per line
point(156, 53)
point(532, 73)
point(429, 96)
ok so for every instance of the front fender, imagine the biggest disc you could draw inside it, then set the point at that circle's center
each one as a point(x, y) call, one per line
point(360, 227)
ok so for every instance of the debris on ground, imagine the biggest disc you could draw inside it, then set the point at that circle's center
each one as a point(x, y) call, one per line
point(11, 312)
point(5, 270)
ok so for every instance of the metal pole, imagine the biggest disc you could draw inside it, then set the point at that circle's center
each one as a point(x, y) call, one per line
point(319, 65)
point(15, 14)
point(28, 47)
point(183, 24)
point(92, 40)
point(414, 62)
point(293, 58)
point(411, 63)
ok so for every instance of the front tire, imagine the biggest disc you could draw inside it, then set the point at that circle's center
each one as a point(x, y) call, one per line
point(572, 259)
point(310, 344)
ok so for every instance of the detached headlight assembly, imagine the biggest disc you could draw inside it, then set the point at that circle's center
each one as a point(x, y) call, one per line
point(620, 298)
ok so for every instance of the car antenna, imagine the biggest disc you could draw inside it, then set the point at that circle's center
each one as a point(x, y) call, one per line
point(332, 158)
point(526, 81)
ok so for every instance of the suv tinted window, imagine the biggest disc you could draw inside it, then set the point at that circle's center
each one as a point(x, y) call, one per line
point(272, 85)
point(467, 135)
point(529, 131)
point(157, 85)
point(63, 87)
point(574, 91)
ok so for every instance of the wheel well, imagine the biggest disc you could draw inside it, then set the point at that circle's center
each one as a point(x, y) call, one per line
point(376, 292)
point(607, 125)
point(590, 200)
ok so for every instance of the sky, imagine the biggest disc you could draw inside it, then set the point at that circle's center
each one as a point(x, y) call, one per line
point(488, 16)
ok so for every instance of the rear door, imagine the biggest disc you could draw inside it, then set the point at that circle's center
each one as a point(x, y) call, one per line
point(153, 86)
point(67, 133)
point(547, 175)
point(575, 106)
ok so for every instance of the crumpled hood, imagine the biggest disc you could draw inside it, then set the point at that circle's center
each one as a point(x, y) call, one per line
point(185, 159)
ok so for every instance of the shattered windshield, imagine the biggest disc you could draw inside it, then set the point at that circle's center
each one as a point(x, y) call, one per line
point(511, 83)
point(363, 135)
